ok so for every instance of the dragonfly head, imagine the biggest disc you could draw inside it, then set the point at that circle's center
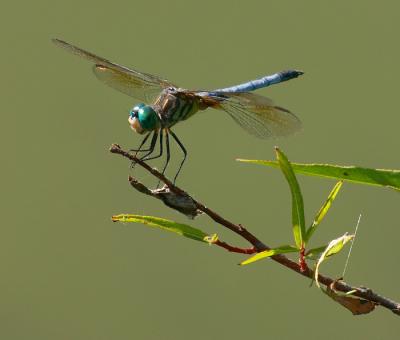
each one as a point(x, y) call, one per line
point(143, 118)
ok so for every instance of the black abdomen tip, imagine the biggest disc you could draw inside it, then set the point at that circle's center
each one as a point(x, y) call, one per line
point(290, 74)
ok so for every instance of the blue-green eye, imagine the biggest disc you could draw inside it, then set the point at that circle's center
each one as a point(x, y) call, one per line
point(148, 118)
point(138, 106)
point(134, 112)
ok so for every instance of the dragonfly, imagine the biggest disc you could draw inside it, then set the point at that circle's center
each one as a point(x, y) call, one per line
point(165, 104)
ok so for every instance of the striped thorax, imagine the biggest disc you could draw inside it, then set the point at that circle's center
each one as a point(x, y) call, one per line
point(174, 106)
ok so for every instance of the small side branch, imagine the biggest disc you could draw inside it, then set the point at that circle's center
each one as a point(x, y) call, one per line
point(235, 249)
point(257, 245)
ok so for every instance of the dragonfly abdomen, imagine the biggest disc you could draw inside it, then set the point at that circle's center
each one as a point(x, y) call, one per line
point(262, 82)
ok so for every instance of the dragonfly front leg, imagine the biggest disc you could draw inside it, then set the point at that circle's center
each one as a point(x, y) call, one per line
point(184, 153)
point(152, 145)
point(159, 154)
point(139, 149)
point(150, 150)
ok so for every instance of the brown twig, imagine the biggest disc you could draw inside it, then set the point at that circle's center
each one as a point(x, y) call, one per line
point(258, 246)
point(232, 249)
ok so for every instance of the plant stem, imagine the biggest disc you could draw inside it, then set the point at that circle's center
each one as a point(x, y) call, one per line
point(258, 246)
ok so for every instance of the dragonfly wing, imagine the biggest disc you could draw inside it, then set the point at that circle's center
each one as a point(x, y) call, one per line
point(256, 114)
point(136, 84)
point(127, 83)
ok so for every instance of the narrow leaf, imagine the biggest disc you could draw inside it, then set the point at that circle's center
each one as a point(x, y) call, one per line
point(271, 252)
point(381, 177)
point(314, 253)
point(299, 229)
point(333, 248)
point(178, 228)
point(324, 209)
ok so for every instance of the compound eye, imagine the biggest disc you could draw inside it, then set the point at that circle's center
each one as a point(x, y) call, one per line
point(138, 107)
point(135, 110)
point(148, 117)
point(133, 113)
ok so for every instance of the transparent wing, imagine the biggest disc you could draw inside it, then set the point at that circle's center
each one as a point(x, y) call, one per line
point(129, 84)
point(136, 84)
point(257, 114)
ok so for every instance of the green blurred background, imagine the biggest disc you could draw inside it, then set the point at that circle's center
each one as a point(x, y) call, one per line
point(68, 272)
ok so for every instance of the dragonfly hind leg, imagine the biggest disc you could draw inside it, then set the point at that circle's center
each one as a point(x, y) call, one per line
point(168, 151)
point(184, 153)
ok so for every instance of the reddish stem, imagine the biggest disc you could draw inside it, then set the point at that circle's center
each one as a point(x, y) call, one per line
point(233, 249)
point(302, 260)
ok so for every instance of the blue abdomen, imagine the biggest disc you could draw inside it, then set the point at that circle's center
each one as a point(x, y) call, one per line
point(262, 82)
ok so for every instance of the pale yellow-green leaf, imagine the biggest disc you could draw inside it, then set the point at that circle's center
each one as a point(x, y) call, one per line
point(324, 209)
point(333, 247)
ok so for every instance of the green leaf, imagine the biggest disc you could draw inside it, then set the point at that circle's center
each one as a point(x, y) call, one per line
point(381, 177)
point(333, 248)
point(271, 252)
point(299, 229)
point(315, 252)
point(179, 228)
point(324, 209)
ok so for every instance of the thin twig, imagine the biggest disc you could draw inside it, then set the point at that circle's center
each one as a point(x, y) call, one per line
point(233, 249)
point(361, 292)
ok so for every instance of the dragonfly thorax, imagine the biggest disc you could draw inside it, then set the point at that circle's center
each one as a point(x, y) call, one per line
point(174, 105)
point(143, 118)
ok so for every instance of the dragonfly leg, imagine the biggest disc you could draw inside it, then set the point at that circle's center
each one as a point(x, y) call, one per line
point(141, 145)
point(184, 153)
point(168, 151)
point(152, 145)
point(159, 154)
